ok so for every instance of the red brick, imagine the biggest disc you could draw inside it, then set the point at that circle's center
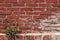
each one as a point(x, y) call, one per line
point(30, 37)
point(38, 9)
point(1, 0)
point(18, 13)
point(2, 9)
point(2, 30)
point(25, 28)
point(5, 13)
point(26, 9)
point(25, 1)
point(18, 4)
point(44, 5)
point(9, 21)
point(51, 1)
point(37, 29)
point(59, 1)
point(12, 9)
point(10, 1)
point(53, 9)
point(20, 21)
point(47, 13)
point(38, 37)
point(43, 12)
point(32, 13)
point(31, 5)
point(56, 5)
point(3, 37)
point(12, 17)
point(40, 17)
point(47, 37)
point(30, 17)
point(2, 16)
point(28, 26)
point(21, 1)
point(2, 26)
point(5, 5)
point(37, 0)
point(1, 20)
point(20, 38)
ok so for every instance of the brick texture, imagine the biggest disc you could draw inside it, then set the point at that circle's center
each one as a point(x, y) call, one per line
point(33, 16)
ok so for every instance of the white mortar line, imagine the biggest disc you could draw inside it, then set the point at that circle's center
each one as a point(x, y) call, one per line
point(34, 34)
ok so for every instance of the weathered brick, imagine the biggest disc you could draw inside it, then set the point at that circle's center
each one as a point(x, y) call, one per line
point(38, 37)
point(20, 38)
point(47, 37)
point(3, 37)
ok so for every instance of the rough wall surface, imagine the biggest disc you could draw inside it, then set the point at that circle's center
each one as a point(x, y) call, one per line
point(33, 16)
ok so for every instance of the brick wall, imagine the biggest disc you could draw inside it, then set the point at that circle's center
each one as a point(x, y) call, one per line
point(31, 16)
